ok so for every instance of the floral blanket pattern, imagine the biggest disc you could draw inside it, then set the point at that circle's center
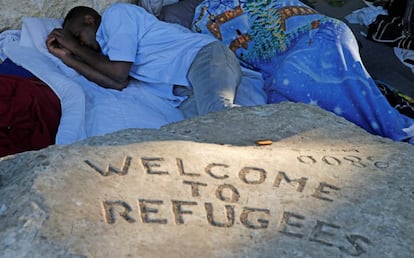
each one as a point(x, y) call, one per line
point(304, 57)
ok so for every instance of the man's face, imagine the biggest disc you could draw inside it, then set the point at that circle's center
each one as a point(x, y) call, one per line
point(85, 33)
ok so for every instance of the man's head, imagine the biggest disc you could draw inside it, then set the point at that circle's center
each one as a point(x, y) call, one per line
point(83, 22)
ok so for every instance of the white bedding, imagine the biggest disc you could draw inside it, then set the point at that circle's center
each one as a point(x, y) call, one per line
point(89, 110)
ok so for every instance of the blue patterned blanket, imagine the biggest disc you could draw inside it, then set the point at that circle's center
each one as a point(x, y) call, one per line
point(304, 57)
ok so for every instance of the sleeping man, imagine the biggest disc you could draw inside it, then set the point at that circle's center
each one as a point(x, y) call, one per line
point(126, 41)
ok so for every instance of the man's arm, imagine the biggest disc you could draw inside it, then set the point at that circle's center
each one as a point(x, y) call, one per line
point(93, 65)
point(93, 75)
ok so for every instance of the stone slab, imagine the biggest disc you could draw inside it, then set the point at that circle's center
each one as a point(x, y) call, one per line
point(202, 187)
point(12, 11)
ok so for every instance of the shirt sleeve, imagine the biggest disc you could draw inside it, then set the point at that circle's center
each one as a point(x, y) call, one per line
point(121, 34)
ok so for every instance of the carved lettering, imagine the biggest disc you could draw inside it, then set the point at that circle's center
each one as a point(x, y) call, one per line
point(318, 232)
point(181, 171)
point(247, 213)
point(353, 240)
point(178, 210)
point(261, 175)
point(291, 224)
point(229, 216)
point(320, 190)
point(306, 159)
point(146, 207)
point(195, 187)
point(287, 222)
point(110, 169)
point(235, 195)
point(282, 176)
point(378, 164)
point(151, 163)
point(209, 171)
point(330, 160)
point(110, 208)
point(355, 161)
point(335, 161)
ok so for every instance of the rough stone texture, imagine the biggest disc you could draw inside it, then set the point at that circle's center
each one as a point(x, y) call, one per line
point(202, 187)
point(12, 11)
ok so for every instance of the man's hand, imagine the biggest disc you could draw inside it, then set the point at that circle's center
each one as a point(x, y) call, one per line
point(65, 39)
point(55, 48)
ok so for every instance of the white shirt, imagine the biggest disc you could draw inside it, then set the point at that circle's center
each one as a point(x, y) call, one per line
point(161, 52)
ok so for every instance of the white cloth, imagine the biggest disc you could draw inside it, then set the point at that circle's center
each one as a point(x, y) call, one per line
point(7, 37)
point(404, 55)
point(365, 16)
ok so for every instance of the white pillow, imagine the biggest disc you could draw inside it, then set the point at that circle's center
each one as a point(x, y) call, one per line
point(35, 31)
point(34, 34)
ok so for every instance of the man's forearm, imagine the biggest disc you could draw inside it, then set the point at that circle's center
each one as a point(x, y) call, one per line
point(118, 71)
point(93, 74)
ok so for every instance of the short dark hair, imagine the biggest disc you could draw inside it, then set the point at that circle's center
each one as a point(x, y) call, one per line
point(79, 12)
